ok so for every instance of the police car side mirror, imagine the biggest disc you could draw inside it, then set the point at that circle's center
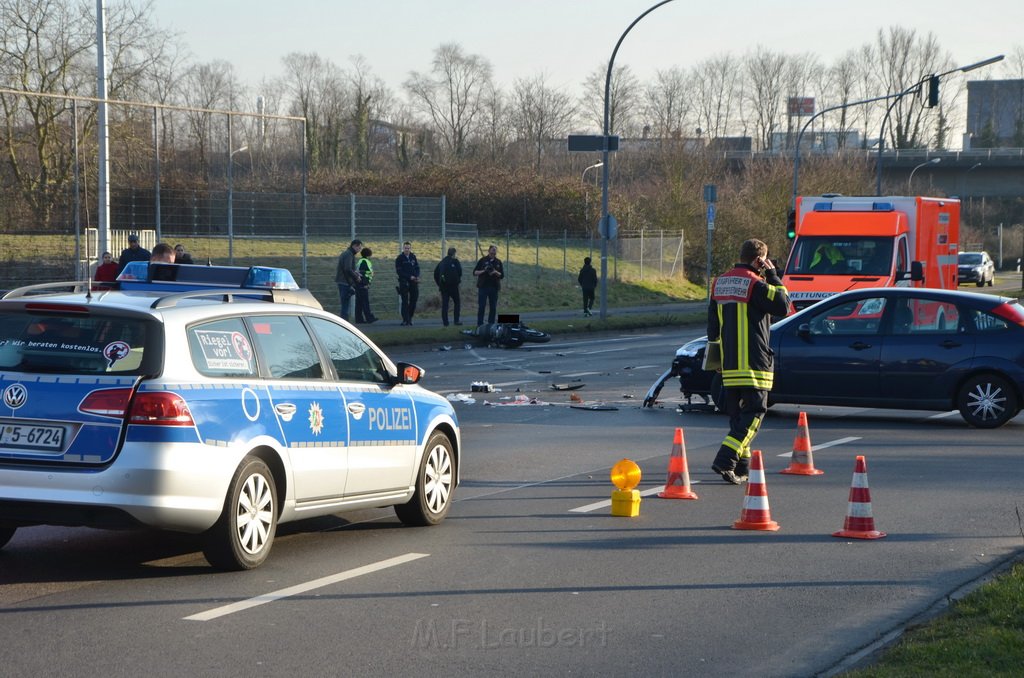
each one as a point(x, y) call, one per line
point(409, 373)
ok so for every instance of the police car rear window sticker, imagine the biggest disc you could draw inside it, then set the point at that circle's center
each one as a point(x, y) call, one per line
point(225, 350)
point(116, 350)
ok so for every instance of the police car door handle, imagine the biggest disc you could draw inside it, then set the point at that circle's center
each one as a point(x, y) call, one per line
point(859, 346)
point(285, 410)
point(949, 343)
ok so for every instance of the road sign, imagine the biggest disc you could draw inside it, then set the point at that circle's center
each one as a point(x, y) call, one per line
point(608, 228)
point(593, 142)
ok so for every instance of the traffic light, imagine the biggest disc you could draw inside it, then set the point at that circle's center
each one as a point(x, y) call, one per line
point(791, 224)
point(933, 92)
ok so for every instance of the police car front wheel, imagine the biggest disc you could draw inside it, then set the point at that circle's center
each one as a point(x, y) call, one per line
point(242, 538)
point(435, 481)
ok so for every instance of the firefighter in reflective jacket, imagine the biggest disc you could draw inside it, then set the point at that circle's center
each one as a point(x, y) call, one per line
point(739, 314)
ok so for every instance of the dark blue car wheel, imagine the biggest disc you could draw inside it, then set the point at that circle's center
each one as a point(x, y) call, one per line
point(987, 401)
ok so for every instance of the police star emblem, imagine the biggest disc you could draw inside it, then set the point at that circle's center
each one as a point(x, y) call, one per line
point(316, 419)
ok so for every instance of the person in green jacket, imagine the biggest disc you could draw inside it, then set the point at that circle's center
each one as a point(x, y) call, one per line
point(365, 268)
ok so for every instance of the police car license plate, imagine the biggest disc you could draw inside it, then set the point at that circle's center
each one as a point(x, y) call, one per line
point(34, 437)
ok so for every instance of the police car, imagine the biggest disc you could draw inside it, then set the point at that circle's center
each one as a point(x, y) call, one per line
point(208, 399)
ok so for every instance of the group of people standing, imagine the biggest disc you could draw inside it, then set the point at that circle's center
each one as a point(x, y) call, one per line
point(355, 273)
point(108, 269)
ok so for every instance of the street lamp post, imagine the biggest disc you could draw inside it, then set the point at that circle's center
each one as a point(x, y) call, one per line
point(605, 158)
point(910, 179)
point(916, 87)
point(231, 204)
point(586, 193)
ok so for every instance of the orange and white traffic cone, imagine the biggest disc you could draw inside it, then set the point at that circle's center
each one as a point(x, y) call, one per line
point(755, 514)
point(859, 524)
point(678, 484)
point(802, 461)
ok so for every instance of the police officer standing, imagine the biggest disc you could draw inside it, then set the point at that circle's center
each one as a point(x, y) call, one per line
point(488, 272)
point(448, 276)
point(408, 270)
point(743, 300)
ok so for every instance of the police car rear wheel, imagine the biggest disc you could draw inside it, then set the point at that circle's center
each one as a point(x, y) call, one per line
point(987, 401)
point(435, 481)
point(242, 538)
point(5, 535)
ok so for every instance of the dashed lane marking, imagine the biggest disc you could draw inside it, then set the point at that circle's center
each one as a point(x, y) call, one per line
point(822, 446)
point(608, 502)
point(303, 588)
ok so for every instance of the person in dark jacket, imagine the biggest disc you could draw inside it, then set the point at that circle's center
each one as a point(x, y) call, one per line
point(448, 276)
point(181, 256)
point(347, 277)
point(588, 283)
point(134, 252)
point(489, 272)
point(743, 301)
point(407, 268)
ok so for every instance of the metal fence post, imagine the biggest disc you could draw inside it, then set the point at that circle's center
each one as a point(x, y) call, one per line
point(401, 224)
point(352, 216)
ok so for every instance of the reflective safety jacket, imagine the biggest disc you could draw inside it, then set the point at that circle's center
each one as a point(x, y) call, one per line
point(366, 270)
point(742, 304)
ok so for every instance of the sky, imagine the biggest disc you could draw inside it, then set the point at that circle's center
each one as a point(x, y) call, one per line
point(566, 40)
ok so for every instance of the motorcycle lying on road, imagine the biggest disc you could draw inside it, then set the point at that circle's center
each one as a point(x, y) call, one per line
point(507, 335)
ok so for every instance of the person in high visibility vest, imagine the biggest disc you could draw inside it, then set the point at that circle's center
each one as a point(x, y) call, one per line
point(743, 301)
point(365, 268)
point(825, 253)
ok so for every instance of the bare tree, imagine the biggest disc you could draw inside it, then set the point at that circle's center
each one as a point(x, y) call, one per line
point(623, 99)
point(765, 91)
point(905, 59)
point(452, 94)
point(371, 102)
point(208, 87)
point(316, 88)
point(50, 46)
point(715, 87)
point(801, 72)
point(842, 82)
point(668, 103)
point(540, 113)
point(496, 128)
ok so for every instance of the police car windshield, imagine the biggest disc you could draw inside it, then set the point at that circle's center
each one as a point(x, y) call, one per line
point(46, 343)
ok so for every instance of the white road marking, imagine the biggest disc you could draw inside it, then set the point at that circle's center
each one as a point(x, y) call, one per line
point(302, 588)
point(579, 374)
point(503, 384)
point(608, 350)
point(608, 502)
point(822, 446)
point(943, 415)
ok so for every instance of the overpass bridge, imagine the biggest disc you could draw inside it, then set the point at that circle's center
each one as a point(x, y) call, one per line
point(976, 173)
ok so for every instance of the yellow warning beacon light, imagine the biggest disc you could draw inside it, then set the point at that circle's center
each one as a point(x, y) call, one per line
point(625, 476)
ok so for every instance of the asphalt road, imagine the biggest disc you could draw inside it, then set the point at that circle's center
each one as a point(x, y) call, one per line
point(531, 575)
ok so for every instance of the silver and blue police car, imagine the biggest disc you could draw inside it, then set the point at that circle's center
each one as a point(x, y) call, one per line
point(213, 400)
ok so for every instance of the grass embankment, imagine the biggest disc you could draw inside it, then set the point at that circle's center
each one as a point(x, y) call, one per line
point(981, 635)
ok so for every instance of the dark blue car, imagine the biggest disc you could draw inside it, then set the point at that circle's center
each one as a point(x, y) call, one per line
point(894, 347)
